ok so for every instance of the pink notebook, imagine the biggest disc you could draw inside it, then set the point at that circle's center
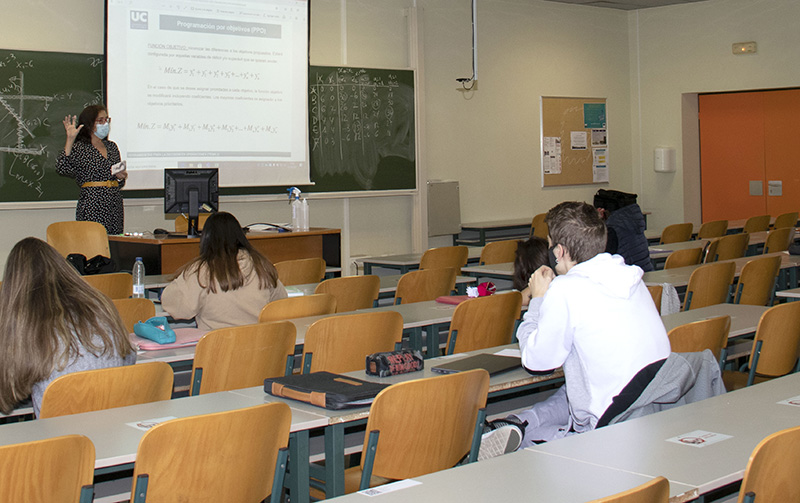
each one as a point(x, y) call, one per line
point(183, 337)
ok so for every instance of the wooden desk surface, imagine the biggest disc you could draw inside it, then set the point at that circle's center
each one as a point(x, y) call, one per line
point(679, 276)
point(744, 318)
point(498, 224)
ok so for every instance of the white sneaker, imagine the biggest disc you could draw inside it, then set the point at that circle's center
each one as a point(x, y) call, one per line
point(500, 441)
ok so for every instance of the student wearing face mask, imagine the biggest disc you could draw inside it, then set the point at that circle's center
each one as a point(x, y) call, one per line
point(89, 157)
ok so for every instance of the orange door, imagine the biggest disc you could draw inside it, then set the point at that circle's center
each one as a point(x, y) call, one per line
point(782, 162)
point(731, 155)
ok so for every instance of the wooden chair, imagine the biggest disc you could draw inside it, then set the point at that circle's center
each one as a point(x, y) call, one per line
point(450, 407)
point(352, 292)
point(775, 347)
point(301, 271)
point(88, 238)
point(241, 357)
point(709, 284)
point(756, 224)
point(341, 343)
point(756, 284)
point(539, 226)
point(54, 470)
point(116, 285)
point(298, 307)
point(682, 258)
point(182, 223)
point(446, 256)
point(778, 240)
point(715, 229)
point(425, 284)
point(785, 220)
point(656, 291)
point(677, 233)
point(771, 473)
point(107, 388)
point(711, 333)
point(236, 455)
point(654, 491)
point(134, 310)
point(498, 252)
point(732, 246)
point(484, 322)
point(710, 251)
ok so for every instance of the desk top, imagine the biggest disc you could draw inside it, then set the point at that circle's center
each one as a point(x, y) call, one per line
point(506, 269)
point(165, 240)
point(662, 251)
point(679, 276)
point(744, 318)
point(412, 259)
point(641, 445)
point(498, 224)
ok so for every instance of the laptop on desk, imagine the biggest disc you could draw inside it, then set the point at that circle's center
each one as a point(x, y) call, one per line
point(494, 364)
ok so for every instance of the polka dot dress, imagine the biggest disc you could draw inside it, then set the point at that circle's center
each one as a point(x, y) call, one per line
point(96, 204)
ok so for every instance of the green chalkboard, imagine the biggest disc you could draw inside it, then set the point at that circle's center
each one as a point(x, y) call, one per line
point(37, 89)
point(361, 129)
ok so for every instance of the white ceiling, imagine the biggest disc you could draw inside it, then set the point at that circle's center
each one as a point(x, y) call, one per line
point(626, 4)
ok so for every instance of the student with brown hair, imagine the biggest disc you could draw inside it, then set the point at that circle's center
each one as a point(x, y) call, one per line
point(531, 254)
point(228, 284)
point(52, 323)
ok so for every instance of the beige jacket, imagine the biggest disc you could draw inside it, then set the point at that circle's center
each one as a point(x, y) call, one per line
point(184, 298)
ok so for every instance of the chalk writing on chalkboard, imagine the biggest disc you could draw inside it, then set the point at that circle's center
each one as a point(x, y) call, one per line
point(359, 118)
point(36, 91)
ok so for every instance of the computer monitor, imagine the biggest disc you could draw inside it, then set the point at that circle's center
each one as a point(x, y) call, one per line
point(191, 191)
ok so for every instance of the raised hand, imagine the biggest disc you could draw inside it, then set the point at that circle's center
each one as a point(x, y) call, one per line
point(69, 127)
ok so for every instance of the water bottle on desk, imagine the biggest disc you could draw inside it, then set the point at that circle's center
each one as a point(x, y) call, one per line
point(138, 278)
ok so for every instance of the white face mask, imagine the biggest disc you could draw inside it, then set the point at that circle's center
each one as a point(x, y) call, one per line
point(101, 130)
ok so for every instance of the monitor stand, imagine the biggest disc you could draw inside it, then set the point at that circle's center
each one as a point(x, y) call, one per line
point(194, 214)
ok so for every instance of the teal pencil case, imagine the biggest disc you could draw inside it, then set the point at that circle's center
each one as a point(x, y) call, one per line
point(156, 329)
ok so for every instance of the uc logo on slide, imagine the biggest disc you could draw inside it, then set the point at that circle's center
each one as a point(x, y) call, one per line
point(138, 19)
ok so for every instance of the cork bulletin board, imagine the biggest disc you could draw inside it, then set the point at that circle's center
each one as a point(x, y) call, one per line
point(574, 141)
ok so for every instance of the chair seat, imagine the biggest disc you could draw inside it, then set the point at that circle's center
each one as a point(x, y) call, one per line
point(734, 379)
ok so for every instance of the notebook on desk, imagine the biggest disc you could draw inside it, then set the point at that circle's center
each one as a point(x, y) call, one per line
point(494, 364)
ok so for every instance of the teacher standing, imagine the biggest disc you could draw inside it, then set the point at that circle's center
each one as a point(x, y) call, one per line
point(88, 157)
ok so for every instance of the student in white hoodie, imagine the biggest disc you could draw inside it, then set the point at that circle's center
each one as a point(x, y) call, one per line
point(596, 319)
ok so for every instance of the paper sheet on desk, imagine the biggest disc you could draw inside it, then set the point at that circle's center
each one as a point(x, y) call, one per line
point(510, 352)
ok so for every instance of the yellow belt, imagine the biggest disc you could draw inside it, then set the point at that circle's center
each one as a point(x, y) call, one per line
point(107, 183)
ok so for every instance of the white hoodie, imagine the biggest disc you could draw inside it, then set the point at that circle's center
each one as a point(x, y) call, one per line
point(599, 322)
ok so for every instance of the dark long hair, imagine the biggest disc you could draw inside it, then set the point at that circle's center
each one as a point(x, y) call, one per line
point(47, 314)
point(531, 254)
point(86, 119)
point(218, 263)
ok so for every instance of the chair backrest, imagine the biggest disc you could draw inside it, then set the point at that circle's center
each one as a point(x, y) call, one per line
point(241, 357)
point(182, 223)
point(715, 229)
point(694, 337)
point(710, 254)
point(301, 271)
point(88, 238)
point(446, 256)
point(656, 291)
point(425, 284)
point(498, 252)
point(341, 343)
point(732, 246)
point(484, 322)
point(447, 406)
point(778, 240)
point(771, 473)
point(539, 226)
point(53, 470)
point(756, 224)
point(134, 310)
point(298, 307)
point(226, 456)
point(682, 258)
point(709, 284)
point(654, 491)
point(756, 284)
point(677, 233)
point(352, 292)
point(107, 388)
point(786, 220)
point(779, 332)
point(117, 285)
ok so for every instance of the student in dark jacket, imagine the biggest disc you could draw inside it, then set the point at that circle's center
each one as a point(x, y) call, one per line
point(626, 236)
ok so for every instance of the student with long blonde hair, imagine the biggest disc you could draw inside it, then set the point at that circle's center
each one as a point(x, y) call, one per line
point(52, 323)
point(228, 284)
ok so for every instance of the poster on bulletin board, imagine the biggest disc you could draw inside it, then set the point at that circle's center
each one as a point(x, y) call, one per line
point(574, 141)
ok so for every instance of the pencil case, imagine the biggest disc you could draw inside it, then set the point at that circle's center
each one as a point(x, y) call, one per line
point(391, 363)
point(156, 329)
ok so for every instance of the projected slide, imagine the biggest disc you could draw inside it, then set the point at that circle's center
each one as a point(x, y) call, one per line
point(210, 83)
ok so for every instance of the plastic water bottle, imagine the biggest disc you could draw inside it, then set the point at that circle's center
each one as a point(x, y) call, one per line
point(138, 278)
point(297, 210)
point(304, 214)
